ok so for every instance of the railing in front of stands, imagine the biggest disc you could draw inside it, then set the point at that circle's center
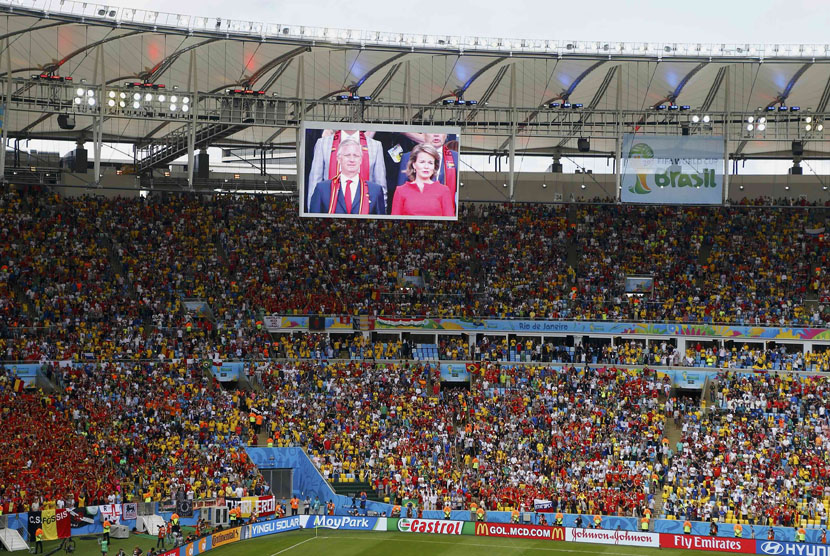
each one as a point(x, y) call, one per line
point(706, 321)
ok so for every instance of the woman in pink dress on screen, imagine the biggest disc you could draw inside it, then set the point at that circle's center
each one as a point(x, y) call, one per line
point(422, 195)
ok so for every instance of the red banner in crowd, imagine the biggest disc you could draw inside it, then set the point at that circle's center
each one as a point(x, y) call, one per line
point(719, 544)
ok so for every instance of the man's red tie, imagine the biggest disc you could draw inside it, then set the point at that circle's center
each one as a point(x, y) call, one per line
point(348, 197)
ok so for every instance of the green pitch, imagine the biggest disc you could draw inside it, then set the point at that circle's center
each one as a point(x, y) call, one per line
point(326, 542)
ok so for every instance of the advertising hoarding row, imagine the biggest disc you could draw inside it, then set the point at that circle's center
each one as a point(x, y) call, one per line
point(505, 530)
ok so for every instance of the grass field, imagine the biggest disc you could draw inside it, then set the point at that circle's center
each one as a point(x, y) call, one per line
point(327, 542)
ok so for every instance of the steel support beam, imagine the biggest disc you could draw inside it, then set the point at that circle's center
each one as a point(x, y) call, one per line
point(192, 85)
point(98, 129)
point(727, 83)
point(512, 152)
point(6, 110)
point(618, 145)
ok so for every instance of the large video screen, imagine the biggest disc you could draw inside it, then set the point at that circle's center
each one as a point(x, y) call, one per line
point(378, 171)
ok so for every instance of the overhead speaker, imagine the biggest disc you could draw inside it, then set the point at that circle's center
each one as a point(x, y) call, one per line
point(65, 121)
point(556, 168)
point(797, 170)
point(798, 148)
point(81, 162)
point(583, 145)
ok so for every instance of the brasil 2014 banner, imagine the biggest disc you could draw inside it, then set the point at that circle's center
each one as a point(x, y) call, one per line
point(665, 169)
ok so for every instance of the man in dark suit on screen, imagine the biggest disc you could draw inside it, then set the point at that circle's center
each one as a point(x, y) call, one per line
point(347, 193)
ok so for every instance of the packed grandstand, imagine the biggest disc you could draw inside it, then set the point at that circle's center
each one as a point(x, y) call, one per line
point(158, 344)
point(99, 283)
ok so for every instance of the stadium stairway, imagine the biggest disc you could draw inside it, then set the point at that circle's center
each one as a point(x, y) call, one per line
point(20, 296)
point(703, 260)
point(573, 253)
point(221, 252)
point(117, 266)
point(11, 540)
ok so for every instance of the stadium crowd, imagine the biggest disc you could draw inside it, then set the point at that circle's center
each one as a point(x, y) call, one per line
point(124, 432)
point(518, 435)
point(117, 263)
point(757, 453)
point(110, 284)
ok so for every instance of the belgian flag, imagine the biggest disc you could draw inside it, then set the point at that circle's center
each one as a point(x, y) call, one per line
point(18, 385)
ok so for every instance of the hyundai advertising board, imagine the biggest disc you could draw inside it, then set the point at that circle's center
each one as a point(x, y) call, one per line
point(779, 548)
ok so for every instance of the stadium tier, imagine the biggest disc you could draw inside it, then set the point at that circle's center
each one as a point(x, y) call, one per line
point(107, 286)
point(118, 262)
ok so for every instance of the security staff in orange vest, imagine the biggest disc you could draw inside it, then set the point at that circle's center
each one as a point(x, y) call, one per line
point(739, 531)
point(559, 519)
point(161, 534)
point(687, 527)
point(107, 530)
point(39, 540)
point(330, 508)
point(295, 505)
point(447, 512)
point(480, 514)
point(644, 524)
point(597, 521)
point(514, 516)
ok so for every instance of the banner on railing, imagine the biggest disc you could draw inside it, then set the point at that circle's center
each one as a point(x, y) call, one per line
point(110, 512)
point(454, 372)
point(56, 524)
point(264, 505)
point(545, 506)
point(560, 327)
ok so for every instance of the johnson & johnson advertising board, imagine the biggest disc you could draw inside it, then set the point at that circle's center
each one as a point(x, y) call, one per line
point(517, 531)
point(605, 536)
point(719, 544)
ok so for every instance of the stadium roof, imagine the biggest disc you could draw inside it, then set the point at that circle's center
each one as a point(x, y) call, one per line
point(513, 80)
